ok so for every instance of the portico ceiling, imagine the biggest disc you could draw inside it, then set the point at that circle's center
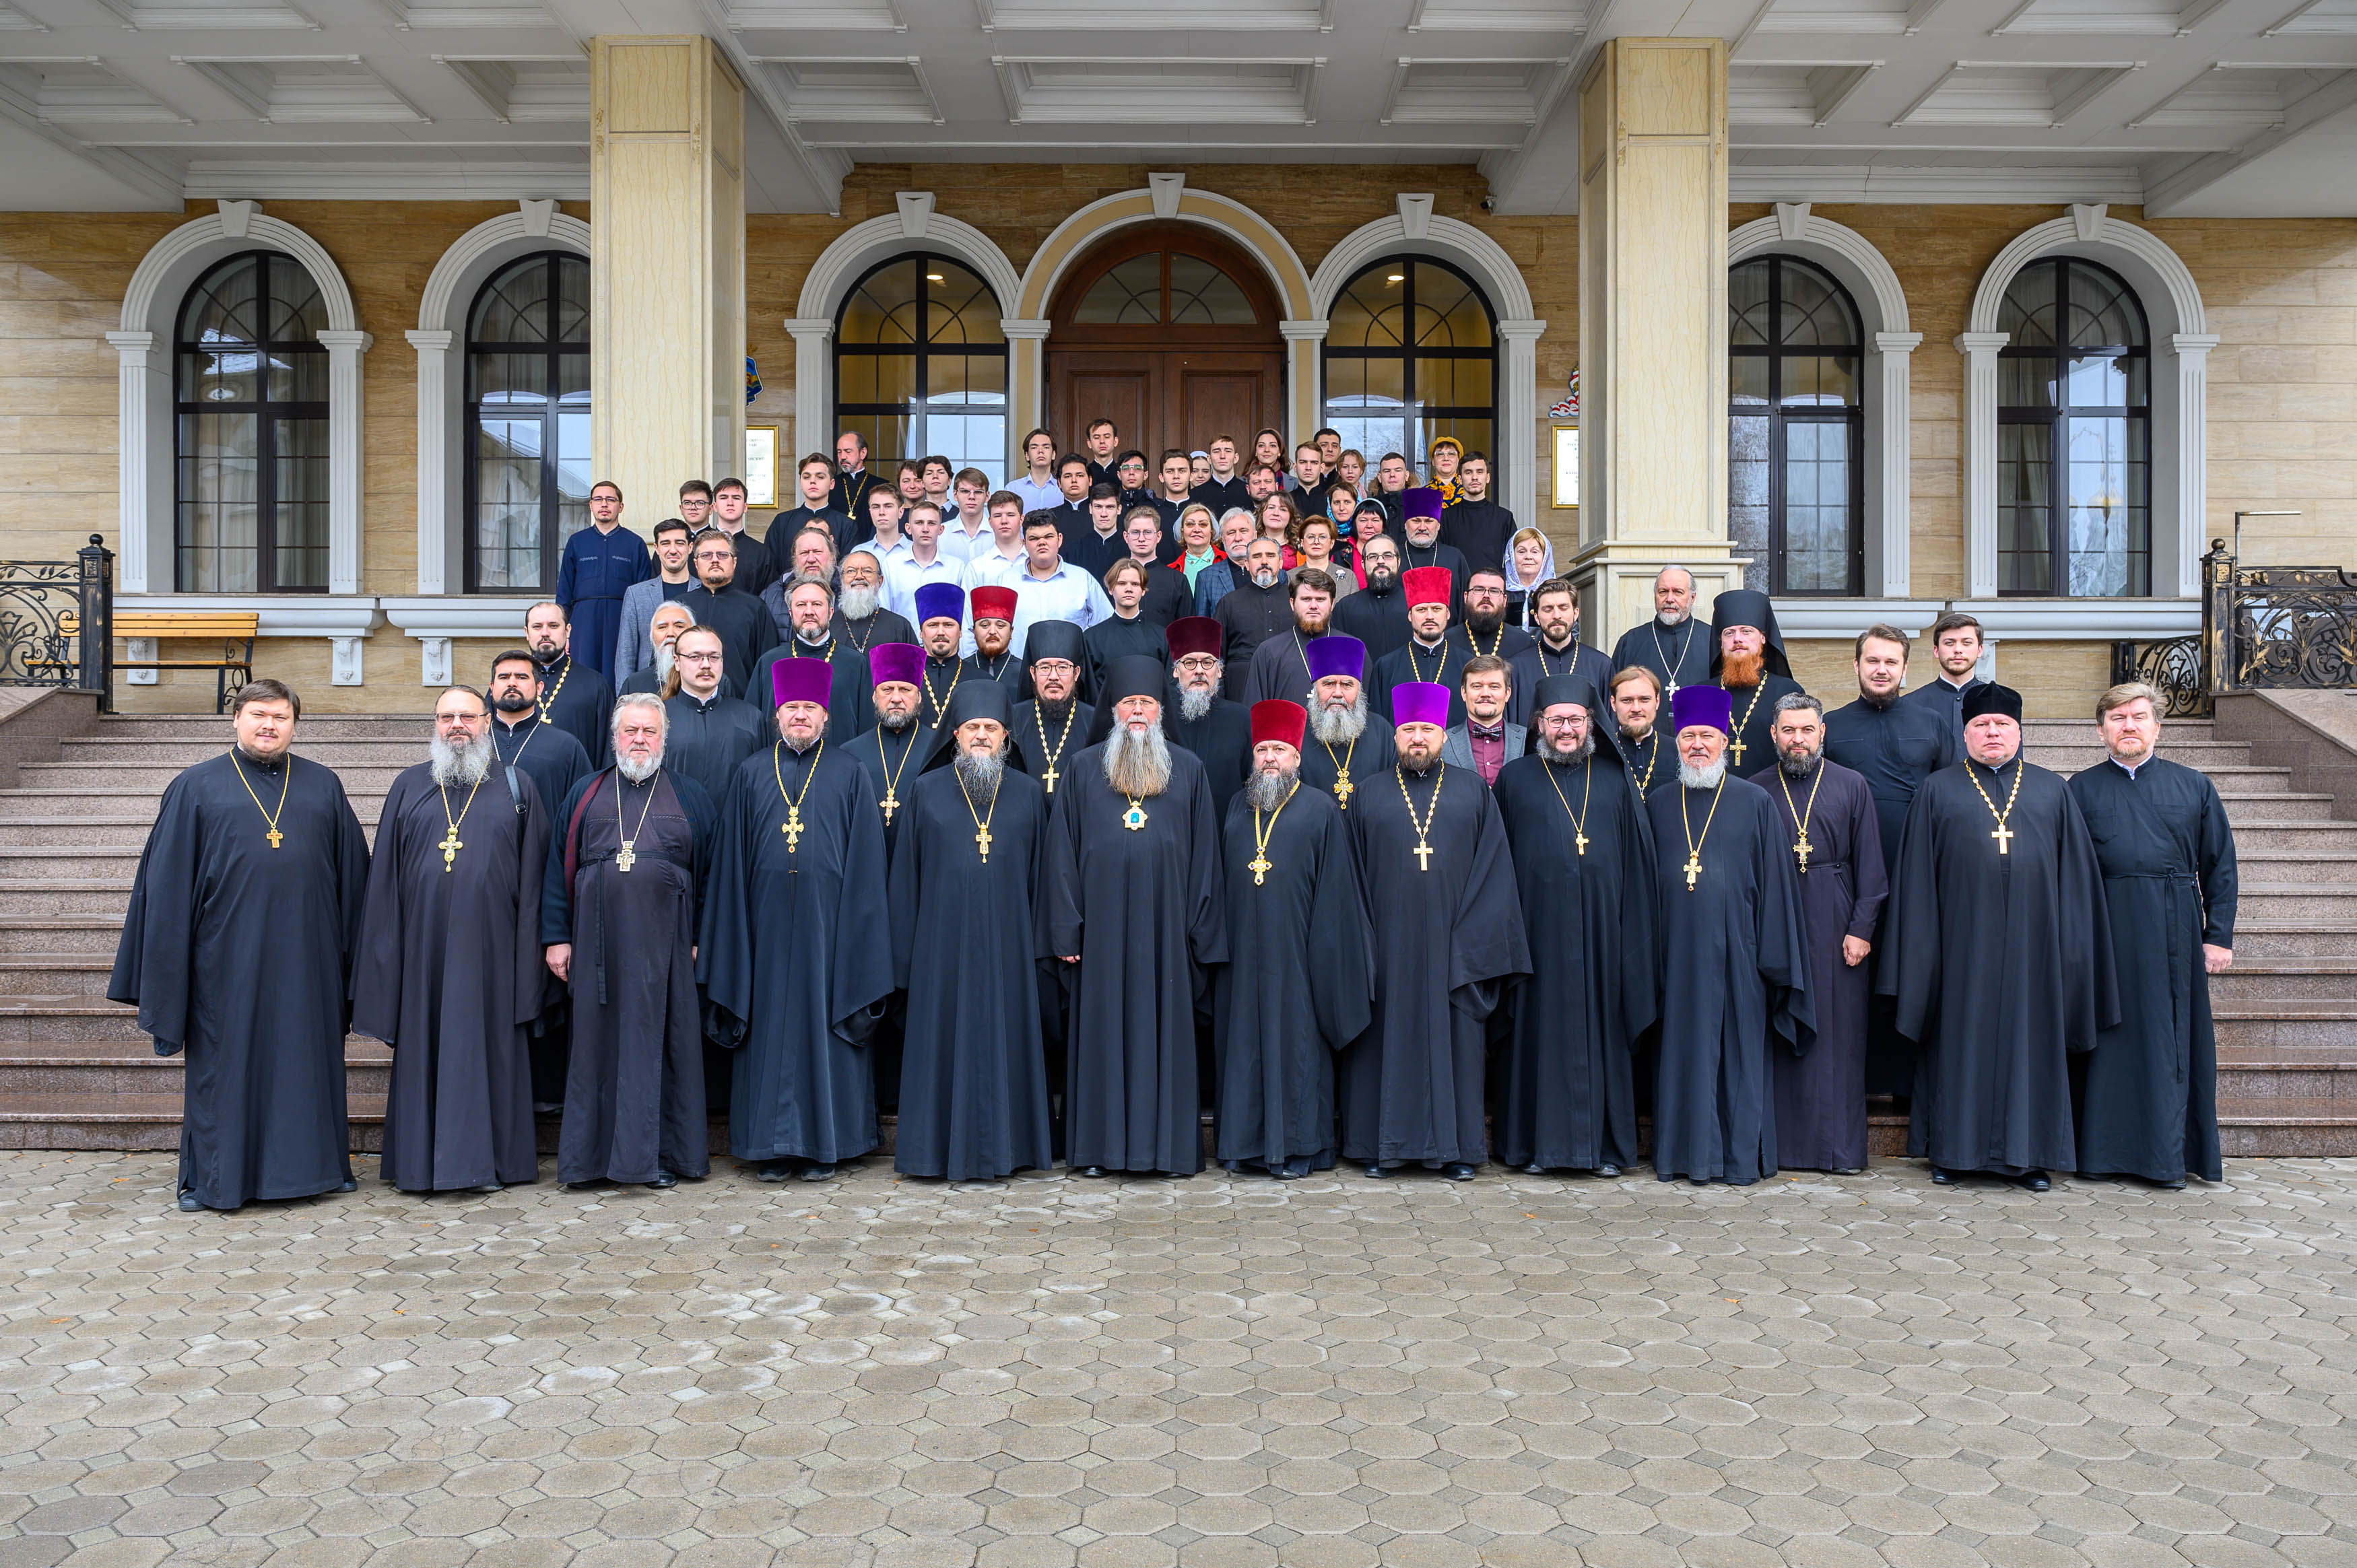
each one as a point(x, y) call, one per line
point(2192, 107)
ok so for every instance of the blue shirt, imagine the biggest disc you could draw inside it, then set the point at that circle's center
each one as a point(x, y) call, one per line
point(600, 565)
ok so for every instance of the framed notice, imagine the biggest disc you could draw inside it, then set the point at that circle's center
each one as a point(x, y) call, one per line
point(1566, 465)
point(760, 465)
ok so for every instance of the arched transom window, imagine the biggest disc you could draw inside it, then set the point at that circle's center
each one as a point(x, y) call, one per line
point(1411, 356)
point(921, 366)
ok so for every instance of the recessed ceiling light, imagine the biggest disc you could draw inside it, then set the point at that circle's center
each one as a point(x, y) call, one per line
point(932, 277)
point(1396, 277)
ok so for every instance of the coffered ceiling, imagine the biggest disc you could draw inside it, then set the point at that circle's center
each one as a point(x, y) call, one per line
point(2221, 107)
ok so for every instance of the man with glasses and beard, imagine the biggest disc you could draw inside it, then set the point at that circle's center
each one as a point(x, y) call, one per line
point(710, 732)
point(1340, 754)
point(447, 967)
point(1583, 861)
point(1300, 984)
point(1051, 724)
point(618, 916)
point(1199, 719)
point(1133, 897)
point(1837, 847)
point(1483, 629)
point(746, 628)
point(1377, 614)
point(966, 881)
point(860, 617)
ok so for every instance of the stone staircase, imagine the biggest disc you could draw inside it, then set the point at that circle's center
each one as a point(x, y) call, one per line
point(75, 1073)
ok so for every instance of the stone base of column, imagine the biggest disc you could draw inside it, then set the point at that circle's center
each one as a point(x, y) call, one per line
point(1616, 580)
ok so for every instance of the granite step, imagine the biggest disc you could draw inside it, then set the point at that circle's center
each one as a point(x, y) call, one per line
point(334, 751)
point(216, 732)
point(48, 809)
point(92, 935)
point(56, 975)
point(2286, 1129)
point(109, 780)
point(32, 899)
point(2277, 902)
point(2264, 939)
point(67, 1020)
point(133, 1122)
point(2274, 806)
point(2335, 841)
point(2324, 976)
point(2274, 1023)
point(132, 1066)
point(2286, 1075)
point(2260, 863)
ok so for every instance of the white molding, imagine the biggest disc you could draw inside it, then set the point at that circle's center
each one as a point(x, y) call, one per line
point(212, 237)
point(2192, 350)
point(1823, 617)
point(536, 225)
point(346, 467)
point(1167, 190)
point(916, 211)
point(1853, 258)
point(863, 244)
point(1518, 416)
point(2064, 233)
point(436, 623)
point(812, 379)
point(1979, 350)
point(452, 179)
point(1928, 185)
point(2041, 619)
point(137, 462)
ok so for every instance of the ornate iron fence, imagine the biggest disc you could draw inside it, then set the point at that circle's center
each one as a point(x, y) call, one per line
point(2171, 667)
point(56, 622)
point(2263, 628)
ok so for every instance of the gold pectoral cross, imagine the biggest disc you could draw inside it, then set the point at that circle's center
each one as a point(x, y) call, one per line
point(1579, 841)
point(982, 840)
point(2004, 836)
point(793, 829)
point(1342, 788)
point(1048, 778)
point(889, 803)
point(275, 837)
point(1423, 852)
point(1800, 850)
point(1134, 818)
point(1259, 866)
point(1737, 748)
point(450, 846)
point(1694, 870)
point(625, 858)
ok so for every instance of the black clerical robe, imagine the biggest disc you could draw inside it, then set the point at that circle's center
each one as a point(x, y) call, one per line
point(1999, 951)
point(1365, 761)
point(879, 624)
point(626, 877)
point(648, 681)
point(1114, 639)
point(746, 628)
point(239, 952)
point(450, 973)
point(1142, 910)
point(547, 756)
point(1447, 942)
point(1651, 762)
point(1500, 641)
point(1299, 985)
point(1007, 668)
point(794, 961)
point(1479, 530)
point(2148, 1093)
point(707, 741)
point(1751, 750)
point(850, 693)
point(1249, 615)
point(1446, 556)
point(1537, 661)
point(1567, 1095)
point(888, 760)
point(1444, 665)
point(1735, 979)
point(937, 681)
point(1221, 740)
point(965, 947)
point(1939, 697)
point(1376, 616)
point(1821, 1097)
point(1049, 743)
point(577, 698)
point(1678, 655)
point(756, 568)
point(1280, 671)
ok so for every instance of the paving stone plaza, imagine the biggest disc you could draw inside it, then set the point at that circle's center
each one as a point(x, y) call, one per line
point(1326, 1374)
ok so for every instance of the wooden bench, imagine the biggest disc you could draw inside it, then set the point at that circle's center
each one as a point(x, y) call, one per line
point(235, 628)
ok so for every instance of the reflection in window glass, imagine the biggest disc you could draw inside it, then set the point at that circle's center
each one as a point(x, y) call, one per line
point(1130, 294)
point(2074, 465)
point(528, 402)
point(1795, 486)
point(920, 365)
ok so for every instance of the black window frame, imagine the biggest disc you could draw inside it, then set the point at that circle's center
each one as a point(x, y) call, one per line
point(1780, 418)
point(920, 407)
point(1411, 415)
point(551, 501)
point(267, 414)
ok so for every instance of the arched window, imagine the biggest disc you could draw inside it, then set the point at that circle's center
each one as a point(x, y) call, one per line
point(250, 430)
point(527, 485)
point(920, 365)
point(1412, 356)
point(2075, 434)
point(1796, 426)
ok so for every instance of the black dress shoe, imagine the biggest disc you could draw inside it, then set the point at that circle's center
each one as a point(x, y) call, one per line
point(1608, 1171)
point(190, 1204)
point(664, 1181)
point(1942, 1178)
point(818, 1173)
point(1296, 1167)
point(1535, 1169)
point(350, 1186)
point(775, 1170)
point(2176, 1186)
point(1849, 1170)
point(487, 1188)
point(1092, 1172)
point(2035, 1181)
point(1456, 1170)
point(1378, 1172)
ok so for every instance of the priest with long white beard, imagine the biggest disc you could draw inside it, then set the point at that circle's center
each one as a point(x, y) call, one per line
point(1339, 755)
point(1199, 719)
point(447, 970)
point(1133, 897)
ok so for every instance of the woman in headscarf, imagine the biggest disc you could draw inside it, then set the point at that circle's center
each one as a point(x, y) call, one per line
point(1529, 560)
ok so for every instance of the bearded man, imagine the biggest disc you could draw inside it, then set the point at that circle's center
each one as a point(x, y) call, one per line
point(1340, 754)
point(899, 736)
point(1747, 659)
point(1257, 610)
point(575, 694)
point(1280, 666)
point(1677, 650)
point(814, 631)
point(1051, 725)
point(1636, 706)
point(1482, 631)
point(1557, 650)
point(1198, 718)
point(549, 756)
point(447, 968)
point(860, 617)
point(1133, 897)
point(1377, 614)
point(664, 626)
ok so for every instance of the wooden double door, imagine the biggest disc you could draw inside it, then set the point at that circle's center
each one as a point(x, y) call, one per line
point(1170, 332)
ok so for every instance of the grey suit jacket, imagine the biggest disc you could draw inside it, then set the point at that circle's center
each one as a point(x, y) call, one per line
point(1457, 747)
point(634, 647)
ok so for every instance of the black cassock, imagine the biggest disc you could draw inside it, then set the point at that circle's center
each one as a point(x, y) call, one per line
point(793, 964)
point(240, 954)
point(1735, 978)
point(1366, 761)
point(746, 628)
point(1448, 940)
point(634, 1088)
point(2148, 1093)
point(547, 756)
point(889, 761)
point(850, 705)
point(1755, 716)
point(1821, 1097)
point(1221, 740)
point(1280, 670)
point(1376, 616)
point(1568, 1099)
point(577, 698)
point(1004, 668)
point(1650, 763)
point(1678, 655)
point(707, 741)
point(1144, 910)
point(2002, 966)
point(965, 947)
point(1050, 743)
point(1115, 637)
point(1444, 666)
point(450, 973)
point(1298, 985)
point(1535, 662)
point(939, 683)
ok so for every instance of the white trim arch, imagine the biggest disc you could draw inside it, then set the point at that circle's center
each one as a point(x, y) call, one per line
point(440, 334)
point(915, 227)
point(2179, 328)
point(143, 346)
point(1793, 230)
point(1413, 231)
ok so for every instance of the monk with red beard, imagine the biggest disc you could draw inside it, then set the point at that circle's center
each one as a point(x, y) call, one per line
point(1748, 659)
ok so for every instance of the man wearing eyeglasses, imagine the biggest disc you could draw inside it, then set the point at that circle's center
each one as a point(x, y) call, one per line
point(746, 628)
point(710, 733)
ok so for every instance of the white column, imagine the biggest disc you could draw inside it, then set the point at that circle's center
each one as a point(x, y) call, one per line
point(132, 437)
point(433, 458)
point(2193, 458)
point(813, 376)
point(1026, 386)
point(1305, 371)
point(1980, 349)
point(345, 479)
point(1518, 419)
point(1896, 351)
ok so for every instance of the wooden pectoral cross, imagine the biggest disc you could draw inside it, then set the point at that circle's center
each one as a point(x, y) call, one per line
point(982, 840)
point(2004, 836)
point(450, 846)
point(1694, 870)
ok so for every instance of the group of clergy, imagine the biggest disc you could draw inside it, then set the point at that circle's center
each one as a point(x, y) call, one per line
point(1054, 907)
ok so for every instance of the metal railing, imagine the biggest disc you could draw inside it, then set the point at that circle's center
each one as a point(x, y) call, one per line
point(56, 622)
point(2263, 629)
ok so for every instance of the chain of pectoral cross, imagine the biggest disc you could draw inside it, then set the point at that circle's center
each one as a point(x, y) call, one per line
point(2004, 834)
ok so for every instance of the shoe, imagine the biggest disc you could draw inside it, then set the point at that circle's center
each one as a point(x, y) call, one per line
point(1535, 1169)
point(487, 1188)
point(2176, 1186)
point(583, 1185)
point(350, 1185)
point(190, 1204)
point(1849, 1170)
point(1458, 1170)
point(1942, 1178)
point(1379, 1173)
point(1094, 1173)
point(1608, 1172)
point(664, 1181)
point(548, 1108)
point(2035, 1181)
point(818, 1173)
point(1298, 1167)
point(775, 1170)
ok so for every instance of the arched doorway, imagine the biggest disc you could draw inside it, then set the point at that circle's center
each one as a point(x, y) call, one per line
point(1170, 331)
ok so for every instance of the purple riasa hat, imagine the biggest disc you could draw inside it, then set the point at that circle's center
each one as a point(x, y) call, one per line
point(895, 662)
point(801, 680)
point(940, 601)
point(1336, 655)
point(1709, 707)
point(1420, 702)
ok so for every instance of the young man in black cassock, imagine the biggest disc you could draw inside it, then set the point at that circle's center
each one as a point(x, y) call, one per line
point(1133, 897)
point(626, 878)
point(1583, 859)
point(1678, 648)
point(1280, 666)
point(965, 947)
point(1300, 984)
point(547, 756)
point(2148, 1094)
point(1051, 726)
point(791, 959)
point(1734, 956)
point(237, 948)
point(746, 628)
point(1449, 940)
point(1836, 848)
point(1197, 717)
point(575, 694)
point(1344, 750)
point(449, 972)
point(1998, 947)
point(1747, 659)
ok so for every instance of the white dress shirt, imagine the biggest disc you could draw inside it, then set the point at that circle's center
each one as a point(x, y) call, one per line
point(904, 574)
point(1036, 496)
point(1069, 594)
point(962, 547)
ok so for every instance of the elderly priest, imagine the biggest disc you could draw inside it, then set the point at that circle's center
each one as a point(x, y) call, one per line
point(1341, 751)
point(1999, 946)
